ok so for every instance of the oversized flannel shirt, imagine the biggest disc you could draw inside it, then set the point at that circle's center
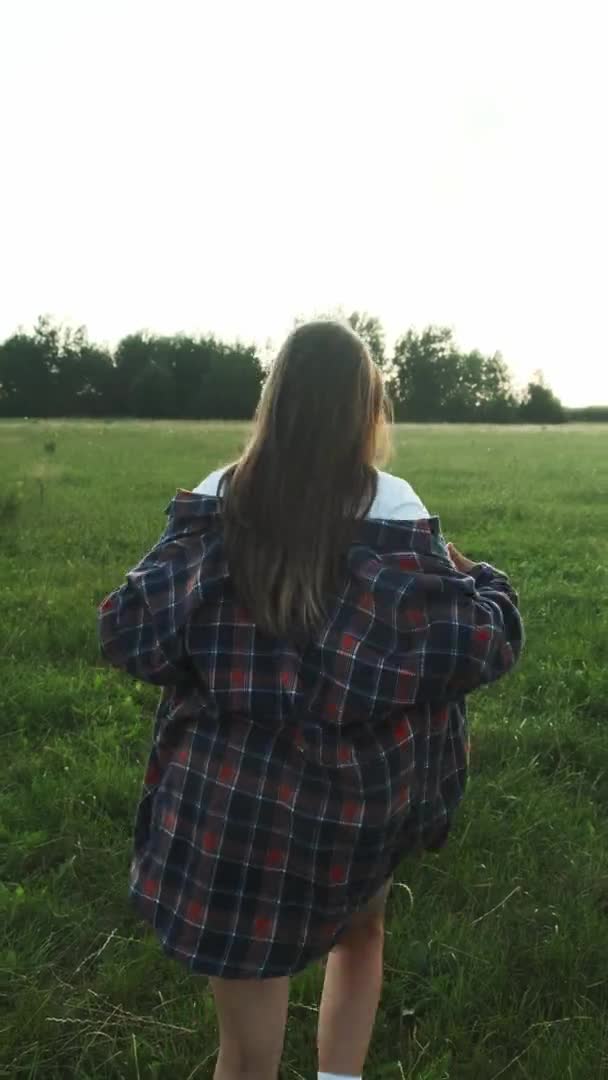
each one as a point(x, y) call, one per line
point(285, 783)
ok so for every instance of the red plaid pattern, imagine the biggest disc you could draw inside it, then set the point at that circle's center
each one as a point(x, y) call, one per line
point(285, 784)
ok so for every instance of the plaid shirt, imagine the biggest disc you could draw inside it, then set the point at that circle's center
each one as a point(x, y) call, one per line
point(285, 783)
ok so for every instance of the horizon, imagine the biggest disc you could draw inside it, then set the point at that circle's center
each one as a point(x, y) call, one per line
point(262, 349)
point(228, 171)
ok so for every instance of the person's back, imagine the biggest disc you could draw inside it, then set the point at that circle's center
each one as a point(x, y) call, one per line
point(315, 638)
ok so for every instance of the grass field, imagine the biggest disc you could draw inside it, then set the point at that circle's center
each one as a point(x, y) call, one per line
point(497, 953)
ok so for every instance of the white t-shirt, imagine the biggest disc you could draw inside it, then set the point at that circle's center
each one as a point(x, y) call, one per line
point(395, 499)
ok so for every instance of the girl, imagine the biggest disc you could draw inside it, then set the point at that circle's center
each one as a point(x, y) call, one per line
point(315, 639)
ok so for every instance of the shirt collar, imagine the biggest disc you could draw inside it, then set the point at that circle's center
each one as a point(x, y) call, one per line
point(382, 536)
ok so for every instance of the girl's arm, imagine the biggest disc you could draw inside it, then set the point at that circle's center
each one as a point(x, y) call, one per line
point(129, 639)
point(472, 632)
point(141, 624)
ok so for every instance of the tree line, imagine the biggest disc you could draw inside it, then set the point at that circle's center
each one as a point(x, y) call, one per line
point(57, 371)
point(431, 379)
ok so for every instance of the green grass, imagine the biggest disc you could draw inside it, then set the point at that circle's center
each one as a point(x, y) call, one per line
point(503, 957)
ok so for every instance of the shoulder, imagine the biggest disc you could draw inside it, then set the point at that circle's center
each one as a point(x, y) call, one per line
point(396, 499)
point(210, 484)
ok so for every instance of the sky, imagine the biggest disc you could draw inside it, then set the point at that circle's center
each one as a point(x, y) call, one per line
point(229, 166)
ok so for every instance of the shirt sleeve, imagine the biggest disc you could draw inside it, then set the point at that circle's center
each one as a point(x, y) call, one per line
point(141, 625)
point(408, 510)
point(470, 632)
point(210, 484)
point(396, 500)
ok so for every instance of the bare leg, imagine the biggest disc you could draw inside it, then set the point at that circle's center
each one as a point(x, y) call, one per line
point(252, 1014)
point(353, 981)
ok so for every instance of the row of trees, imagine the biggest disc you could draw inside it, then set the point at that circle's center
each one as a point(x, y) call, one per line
point(432, 379)
point(57, 371)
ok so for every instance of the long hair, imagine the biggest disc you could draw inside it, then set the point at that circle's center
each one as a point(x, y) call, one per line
point(291, 502)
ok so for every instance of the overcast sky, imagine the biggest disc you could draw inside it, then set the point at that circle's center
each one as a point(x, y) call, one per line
point(227, 166)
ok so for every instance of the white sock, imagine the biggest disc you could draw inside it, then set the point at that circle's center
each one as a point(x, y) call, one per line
point(336, 1076)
